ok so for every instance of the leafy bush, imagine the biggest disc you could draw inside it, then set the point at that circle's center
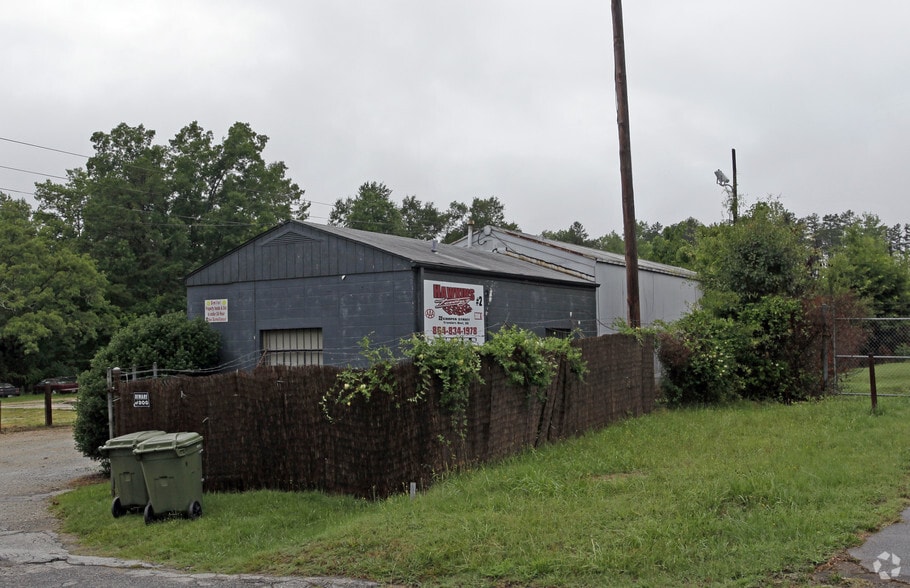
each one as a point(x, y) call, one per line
point(764, 351)
point(759, 325)
point(171, 341)
point(774, 364)
point(699, 356)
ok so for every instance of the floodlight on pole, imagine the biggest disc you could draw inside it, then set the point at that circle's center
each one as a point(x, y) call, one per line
point(724, 181)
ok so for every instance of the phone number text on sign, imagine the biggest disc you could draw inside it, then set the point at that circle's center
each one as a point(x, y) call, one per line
point(460, 331)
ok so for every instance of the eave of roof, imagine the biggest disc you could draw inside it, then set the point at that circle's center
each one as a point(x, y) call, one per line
point(429, 255)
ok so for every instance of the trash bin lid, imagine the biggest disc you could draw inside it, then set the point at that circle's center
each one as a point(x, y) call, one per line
point(130, 440)
point(177, 442)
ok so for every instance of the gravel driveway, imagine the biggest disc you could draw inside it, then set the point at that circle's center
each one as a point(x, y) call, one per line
point(37, 465)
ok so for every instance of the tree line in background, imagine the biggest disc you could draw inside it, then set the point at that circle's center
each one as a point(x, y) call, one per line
point(373, 209)
point(115, 240)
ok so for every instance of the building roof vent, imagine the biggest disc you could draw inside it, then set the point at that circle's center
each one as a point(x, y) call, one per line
point(290, 238)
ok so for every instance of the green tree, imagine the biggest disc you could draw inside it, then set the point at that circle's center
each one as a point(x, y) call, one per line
point(148, 214)
point(675, 244)
point(575, 234)
point(52, 305)
point(826, 234)
point(482, 212)
point(866, 265)
point(763, 254)
point(423, 220)
point(612, 242)
point(372, 209)
point(226, 193)
point(672, 245)
point(170, 341)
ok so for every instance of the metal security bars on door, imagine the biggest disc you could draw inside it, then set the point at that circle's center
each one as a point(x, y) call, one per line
point(872, 355)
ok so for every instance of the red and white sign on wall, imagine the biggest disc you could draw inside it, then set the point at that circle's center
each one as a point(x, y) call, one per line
point(216, 311)
point(453, 311)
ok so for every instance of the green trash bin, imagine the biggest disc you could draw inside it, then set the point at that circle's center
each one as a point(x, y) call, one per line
point(126, 473)
point(172, 467)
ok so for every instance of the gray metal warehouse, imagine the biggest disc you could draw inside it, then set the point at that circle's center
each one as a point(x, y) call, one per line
point(306, 294)
point(666, 292)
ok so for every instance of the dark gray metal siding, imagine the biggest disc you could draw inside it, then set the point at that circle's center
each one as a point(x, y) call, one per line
point(531, 305)
point(381, 305)
point(295, 251)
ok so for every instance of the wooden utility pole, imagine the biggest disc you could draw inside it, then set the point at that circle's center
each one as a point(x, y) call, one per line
point(625, 167)
point(734, 206)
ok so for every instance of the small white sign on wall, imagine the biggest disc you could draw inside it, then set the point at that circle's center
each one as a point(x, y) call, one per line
point(216, 311)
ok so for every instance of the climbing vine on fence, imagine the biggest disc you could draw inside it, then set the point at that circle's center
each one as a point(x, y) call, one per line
point(351, 382)
point(529, 361)
point(454, 363)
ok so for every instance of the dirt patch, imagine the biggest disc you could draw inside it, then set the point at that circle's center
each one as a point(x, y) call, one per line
point(844, 570)
point(88, 480)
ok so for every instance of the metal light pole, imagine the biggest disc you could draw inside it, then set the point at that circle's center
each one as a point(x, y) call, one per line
point(625, 167)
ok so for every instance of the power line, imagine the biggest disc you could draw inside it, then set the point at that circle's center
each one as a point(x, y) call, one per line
point(17, 191)
point(8, 140)
point(27, 171)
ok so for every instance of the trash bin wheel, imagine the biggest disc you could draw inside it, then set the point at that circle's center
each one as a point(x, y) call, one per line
point(117, 508)
point(194, 510)
point(149, 513)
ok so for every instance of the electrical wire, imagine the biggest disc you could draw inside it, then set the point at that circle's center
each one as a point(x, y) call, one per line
point(36, 146)
point(26, 171)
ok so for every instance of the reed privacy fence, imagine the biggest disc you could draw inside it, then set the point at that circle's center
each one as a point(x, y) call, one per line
point(267, 428)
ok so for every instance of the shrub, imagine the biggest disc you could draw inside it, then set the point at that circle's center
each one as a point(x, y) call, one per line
point(766, 351)
point(699, 357)
point(775, 364)
point(170, 341)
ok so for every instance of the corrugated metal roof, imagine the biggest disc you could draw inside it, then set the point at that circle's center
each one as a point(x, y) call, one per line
point(598, 254)
point(425, 253)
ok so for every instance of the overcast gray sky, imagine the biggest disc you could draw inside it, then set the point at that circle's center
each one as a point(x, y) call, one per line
point(508, 98)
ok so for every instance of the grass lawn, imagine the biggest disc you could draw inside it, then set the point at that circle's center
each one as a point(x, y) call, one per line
point(742, 495)
point(890, 378)
point(14, 416)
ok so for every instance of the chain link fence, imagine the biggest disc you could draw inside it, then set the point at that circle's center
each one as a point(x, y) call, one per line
point(879, 344)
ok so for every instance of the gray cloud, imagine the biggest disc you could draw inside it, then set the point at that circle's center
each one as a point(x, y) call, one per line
point(448, 101)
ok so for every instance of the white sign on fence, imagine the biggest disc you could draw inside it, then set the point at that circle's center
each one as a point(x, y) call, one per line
point(141, 400)
point(216, 311)
point(453, 311)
